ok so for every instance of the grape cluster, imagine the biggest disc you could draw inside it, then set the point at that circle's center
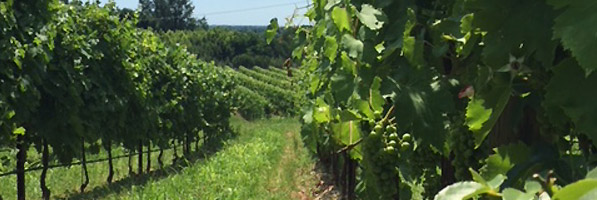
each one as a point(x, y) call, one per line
point(424, 161)
point(382, 150)
point(462, 144)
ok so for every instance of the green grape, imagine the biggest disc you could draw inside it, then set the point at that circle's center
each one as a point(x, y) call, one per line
point(393, 136)
point(388, 149)
point(377, 114)
point(392, 143)
point(373, 134)
point(378, 128)
point(405, 146)
point(391, 128)
point(406, 137)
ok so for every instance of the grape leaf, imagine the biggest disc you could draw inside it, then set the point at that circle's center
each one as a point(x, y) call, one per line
point(461, 191)
point(272, 30)
point(321, 113)
point(330, 48)
point(592, 174)
point(575, 26)
point(354, 46)
point(582, 190)
point(494, 99)
point(574, 97)
point(340, 18)
point(19, 131)
point(510, 23)
point(371, 17)
point(514, 194)
point(477, 114)
point(376, 100)
point(504, 159)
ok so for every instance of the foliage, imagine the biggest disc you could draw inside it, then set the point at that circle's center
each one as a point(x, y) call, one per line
point(165, 15)
point(460, 78)
point(284, 84)
point(77, 73)
point(234, 48)
point(251, 105)
point(282, 101)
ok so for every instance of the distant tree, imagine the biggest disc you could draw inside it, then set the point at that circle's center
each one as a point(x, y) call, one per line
point(126, 12)
point(168, 15)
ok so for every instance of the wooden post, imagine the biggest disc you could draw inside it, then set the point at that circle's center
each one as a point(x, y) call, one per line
point(21, 157)
point(42, 180)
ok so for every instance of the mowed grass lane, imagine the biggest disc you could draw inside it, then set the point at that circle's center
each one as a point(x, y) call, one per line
point(266, 161)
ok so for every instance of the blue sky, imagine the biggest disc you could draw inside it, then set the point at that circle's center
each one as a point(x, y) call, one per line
point(239, 12)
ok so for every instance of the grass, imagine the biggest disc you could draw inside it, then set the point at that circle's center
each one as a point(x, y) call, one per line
point(266, 161)
point(65, 181)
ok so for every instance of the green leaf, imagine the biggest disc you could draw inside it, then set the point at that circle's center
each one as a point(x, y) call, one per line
point(532, 187)
point(363, 107)
point(510, 23)
point(348, 133)
point(504, 158)
point(477, 177)
point(592, 174)
point(461, 190)
point(330, 48)
point(569, 91)
point(376, 100)
point(493, 184)
point(496, 182)
point(347, 64)
point(349, 115)
point(514, 194)
point(583, 189)
point(272, 30)
point(493, 100)
point(342, 86)
point(321, 113)
point(354, 46)
point(19, 131)
point(477, 114)
point(10, 114)
point(466, 23)
point(413, 50)
point(370, 17)
point(575, 26)
point(340, 18)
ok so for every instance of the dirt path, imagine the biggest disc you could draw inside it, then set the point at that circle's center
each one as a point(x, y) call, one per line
point(310, 182)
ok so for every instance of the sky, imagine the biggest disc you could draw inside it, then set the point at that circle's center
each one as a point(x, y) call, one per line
point(239, 12)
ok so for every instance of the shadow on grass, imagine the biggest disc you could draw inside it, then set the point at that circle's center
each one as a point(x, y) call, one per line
point(137, 180)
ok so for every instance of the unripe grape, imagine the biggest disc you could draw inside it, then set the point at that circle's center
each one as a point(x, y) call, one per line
point(389, 149)
point(393, 136)
point(391, 128)
point(406, 137)
point(404, 146)
point(378, 128)
point(392, 143)
point(377, 114)
point(373, 134)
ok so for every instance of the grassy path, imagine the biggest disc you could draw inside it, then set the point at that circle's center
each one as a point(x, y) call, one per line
point(266, 161)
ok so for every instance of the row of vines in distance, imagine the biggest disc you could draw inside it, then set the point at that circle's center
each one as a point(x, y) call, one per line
point(483, 98)
point(265, 92)
point(76, 74)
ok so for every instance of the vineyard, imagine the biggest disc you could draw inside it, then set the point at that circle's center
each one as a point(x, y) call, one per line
point(456, 99)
